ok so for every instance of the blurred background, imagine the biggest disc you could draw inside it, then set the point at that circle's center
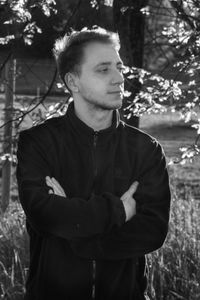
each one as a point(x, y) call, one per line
point(160, 45)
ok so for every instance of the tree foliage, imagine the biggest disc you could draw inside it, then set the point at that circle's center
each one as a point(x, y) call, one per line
point(174, 81)
point(18, 19)
point(168, 77)
point(171, 68)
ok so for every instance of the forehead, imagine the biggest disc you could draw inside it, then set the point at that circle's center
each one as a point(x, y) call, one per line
point(97, 52)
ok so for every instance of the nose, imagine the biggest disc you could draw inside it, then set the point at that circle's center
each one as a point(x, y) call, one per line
point(118, 77)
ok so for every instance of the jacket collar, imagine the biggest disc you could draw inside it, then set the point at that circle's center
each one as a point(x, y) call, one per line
point(86, 133)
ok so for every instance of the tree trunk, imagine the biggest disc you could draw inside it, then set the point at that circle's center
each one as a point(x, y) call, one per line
point(7, 143)
point(129, 22)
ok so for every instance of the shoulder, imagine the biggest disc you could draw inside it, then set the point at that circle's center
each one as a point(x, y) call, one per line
point(48, 127)
point(146, 150)
point(139, 138)
point(44, 135)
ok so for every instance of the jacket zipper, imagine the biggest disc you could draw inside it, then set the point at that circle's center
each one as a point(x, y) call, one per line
point(95, 175)
point(95, 144)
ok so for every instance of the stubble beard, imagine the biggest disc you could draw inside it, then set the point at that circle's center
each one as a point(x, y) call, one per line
point(103, 106)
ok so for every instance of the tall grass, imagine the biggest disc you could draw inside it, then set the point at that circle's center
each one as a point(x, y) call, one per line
point(174, 269)
point(13, 253)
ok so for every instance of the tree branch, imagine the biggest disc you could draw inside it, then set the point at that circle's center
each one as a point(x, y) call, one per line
point(5, 61)
point(183, 15)
point(72, 15)
point(37, 104)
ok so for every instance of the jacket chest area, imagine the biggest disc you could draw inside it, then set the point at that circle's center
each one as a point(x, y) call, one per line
point(86, 169)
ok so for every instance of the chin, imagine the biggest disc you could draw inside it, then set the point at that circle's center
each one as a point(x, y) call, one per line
point(117, 104)
point(108, 104)
point(112, 106)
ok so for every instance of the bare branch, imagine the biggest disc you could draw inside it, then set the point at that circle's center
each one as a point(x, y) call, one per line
point(37, 104)
point(72, 15)
point(5, 61)
point(182, 14)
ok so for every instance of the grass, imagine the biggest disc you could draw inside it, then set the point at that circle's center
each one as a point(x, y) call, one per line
point(173, 134)
point(13, 253)
point(174, 269)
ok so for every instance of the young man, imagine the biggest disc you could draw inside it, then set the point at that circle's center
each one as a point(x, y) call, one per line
point(95, 190)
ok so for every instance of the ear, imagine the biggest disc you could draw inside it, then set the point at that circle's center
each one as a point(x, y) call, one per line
point(71, 82)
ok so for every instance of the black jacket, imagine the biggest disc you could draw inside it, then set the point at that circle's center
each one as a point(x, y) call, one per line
point(80, 246)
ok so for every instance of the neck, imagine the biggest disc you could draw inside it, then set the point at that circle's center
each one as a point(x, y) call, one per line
point(94, 117)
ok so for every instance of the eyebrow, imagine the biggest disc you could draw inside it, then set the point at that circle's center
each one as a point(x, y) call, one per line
point(107, 63)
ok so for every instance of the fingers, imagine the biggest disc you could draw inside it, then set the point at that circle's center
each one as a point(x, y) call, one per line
point(55, 187)
point(125, 196)
point(54, 184)
point(132, 189)
point(130, 192)
point(48, 181)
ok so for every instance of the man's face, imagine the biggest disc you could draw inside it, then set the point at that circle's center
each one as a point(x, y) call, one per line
point(101, 82)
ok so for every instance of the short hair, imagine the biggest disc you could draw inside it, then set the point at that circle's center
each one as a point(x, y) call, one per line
point(69, 50)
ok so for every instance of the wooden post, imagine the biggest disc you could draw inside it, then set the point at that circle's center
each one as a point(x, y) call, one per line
point(10, 70)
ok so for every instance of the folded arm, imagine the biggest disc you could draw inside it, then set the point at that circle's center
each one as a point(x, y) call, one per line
point(51, 214)
point(147, 229)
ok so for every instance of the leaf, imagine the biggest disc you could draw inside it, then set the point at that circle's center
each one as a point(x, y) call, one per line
point(127, 94)
point(7, 39)
point(145, 10)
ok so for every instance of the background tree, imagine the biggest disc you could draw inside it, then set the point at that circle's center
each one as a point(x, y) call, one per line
point(129, 22)
point(18, 26)
point(164, 77)
point(170, 81)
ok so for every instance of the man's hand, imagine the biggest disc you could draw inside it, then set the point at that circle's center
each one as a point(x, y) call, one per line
point(56, 188)
point(129, 201)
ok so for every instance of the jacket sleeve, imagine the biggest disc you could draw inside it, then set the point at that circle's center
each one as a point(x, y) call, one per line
point(147, 230)
point(49, 214)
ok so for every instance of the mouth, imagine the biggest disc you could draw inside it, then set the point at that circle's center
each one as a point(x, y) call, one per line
point(116, 92)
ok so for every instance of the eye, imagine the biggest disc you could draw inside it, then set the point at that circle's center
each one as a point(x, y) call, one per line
point(103, 70)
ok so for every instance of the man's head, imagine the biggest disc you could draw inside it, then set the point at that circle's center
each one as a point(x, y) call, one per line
point(69, 50)
point(89, 64)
